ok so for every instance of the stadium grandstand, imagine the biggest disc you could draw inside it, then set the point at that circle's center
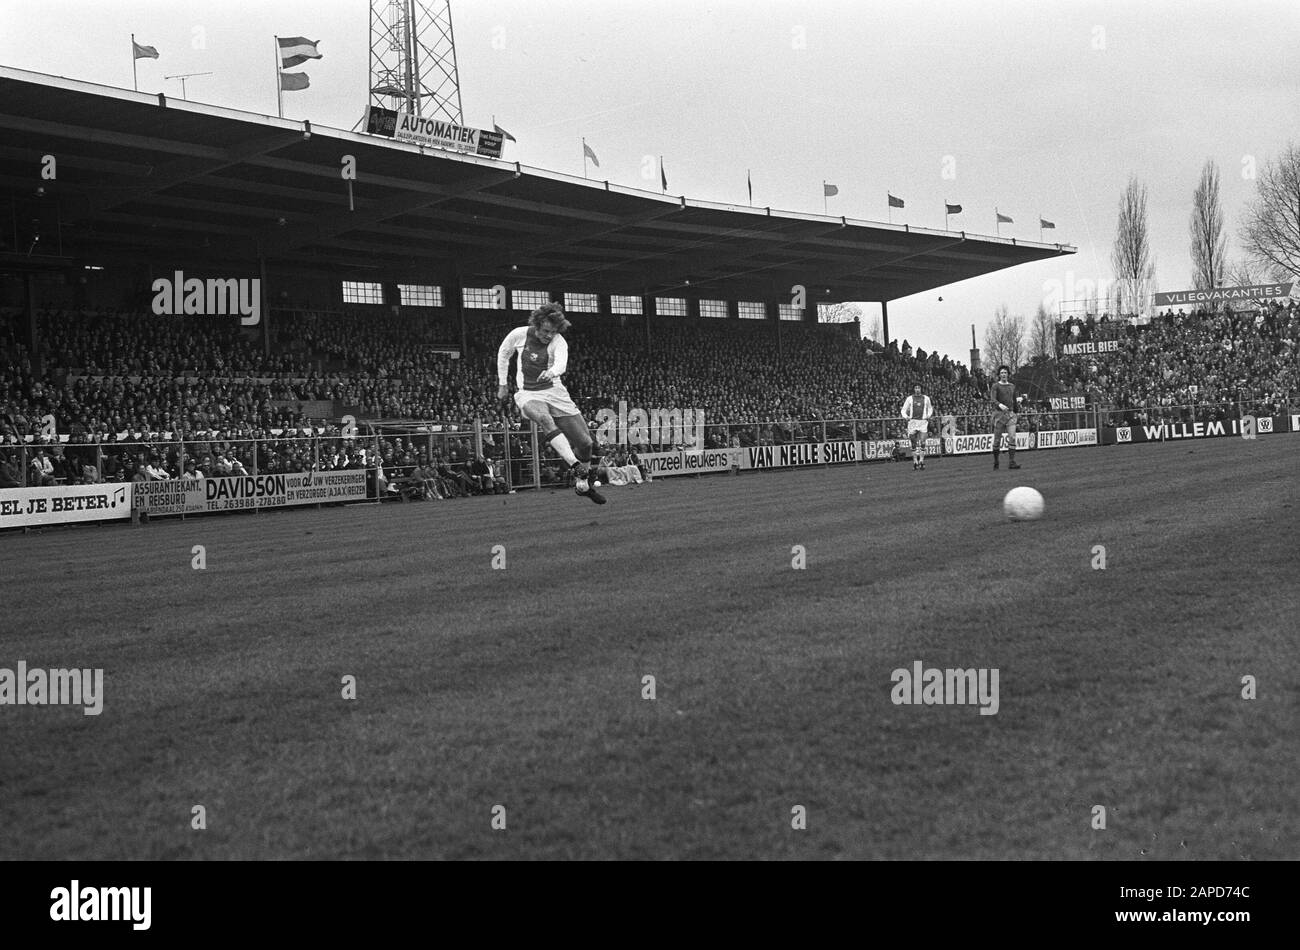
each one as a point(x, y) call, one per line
point(383, 299)
point(370, 340)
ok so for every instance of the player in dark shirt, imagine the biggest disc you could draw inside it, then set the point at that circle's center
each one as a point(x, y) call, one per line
point(1003, 396)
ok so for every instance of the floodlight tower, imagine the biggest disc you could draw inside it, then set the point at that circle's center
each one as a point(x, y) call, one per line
point(413, 58)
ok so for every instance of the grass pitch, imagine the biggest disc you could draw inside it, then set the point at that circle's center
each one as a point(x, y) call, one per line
point(523, 687)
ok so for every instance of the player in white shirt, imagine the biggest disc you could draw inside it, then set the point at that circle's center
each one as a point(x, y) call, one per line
point(917, 410)
point(543, 356)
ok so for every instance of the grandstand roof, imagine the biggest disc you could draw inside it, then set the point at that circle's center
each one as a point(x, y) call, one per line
point(145, 177)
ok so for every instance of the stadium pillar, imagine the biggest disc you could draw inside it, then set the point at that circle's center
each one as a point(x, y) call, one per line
point(454, 298)
point(884, 321)
point(266, 310)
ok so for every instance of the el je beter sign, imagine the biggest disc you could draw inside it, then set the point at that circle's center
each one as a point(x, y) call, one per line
point(63, 504)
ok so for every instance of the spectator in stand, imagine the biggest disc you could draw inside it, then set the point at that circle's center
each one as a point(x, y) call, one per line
point(8, 472)
point(42, 469)
point(457, 482)
point(64, 471)
point(426, 478)
point(635, 460)
point(480, 476)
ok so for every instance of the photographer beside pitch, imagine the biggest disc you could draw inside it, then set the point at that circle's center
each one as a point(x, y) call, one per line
point(1003, 396)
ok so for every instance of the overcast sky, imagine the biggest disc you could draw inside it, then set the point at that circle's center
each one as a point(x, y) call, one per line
point(1035, 107)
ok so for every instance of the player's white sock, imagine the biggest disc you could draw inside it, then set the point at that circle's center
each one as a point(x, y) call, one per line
point(561, 444)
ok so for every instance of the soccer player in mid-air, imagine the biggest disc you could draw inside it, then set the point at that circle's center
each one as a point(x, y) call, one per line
point(543, 356)
point(1003, 396)
point(917, 410)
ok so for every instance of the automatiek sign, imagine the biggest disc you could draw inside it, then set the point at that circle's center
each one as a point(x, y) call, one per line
point(433, 132)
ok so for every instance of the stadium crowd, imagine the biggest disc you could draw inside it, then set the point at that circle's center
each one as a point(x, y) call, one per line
point(1190, 367)
point(136, 385)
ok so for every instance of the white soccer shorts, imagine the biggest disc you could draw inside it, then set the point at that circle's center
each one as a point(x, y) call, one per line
point(556, 398)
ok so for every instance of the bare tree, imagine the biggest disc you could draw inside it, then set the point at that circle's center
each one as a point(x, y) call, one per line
point(1004, 339)
point(1114, 300)
point(1042, 334)
point(1016, 350)
point(1246, 271)
point(877, 331)
point(993, 333)
point(1135, 267)
point(1270, 230)
point(1209, 243)
point(839, 313)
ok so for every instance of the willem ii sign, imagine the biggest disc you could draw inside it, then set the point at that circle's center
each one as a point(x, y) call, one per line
point(1223, 294)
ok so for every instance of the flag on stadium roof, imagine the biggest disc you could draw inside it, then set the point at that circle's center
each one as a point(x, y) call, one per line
point(503, 132)
point(663, 175)
point(749, 180)
point(1003, 219)
point(292, 82)
point(143, 52)
point(296, 50)
point(829, 191)
point(894, 202)
point(587, 151)
point(1044, 223)
point(952, 209)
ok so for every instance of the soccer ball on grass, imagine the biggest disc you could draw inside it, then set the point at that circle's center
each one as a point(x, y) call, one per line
point(1023, 504)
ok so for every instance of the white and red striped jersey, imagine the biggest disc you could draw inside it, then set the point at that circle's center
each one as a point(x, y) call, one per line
point(534, 356)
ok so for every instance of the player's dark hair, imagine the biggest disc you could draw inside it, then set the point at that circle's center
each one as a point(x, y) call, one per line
point(1004, 366)
point(551, 313)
